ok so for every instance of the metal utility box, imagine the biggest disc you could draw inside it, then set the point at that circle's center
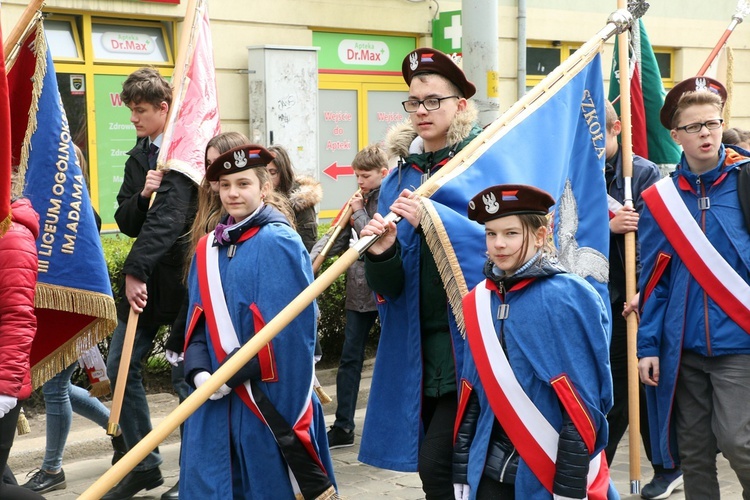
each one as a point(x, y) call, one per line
point(283, 86)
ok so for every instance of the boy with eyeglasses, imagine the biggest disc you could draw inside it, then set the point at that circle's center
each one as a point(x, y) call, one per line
point(694, 335)
point(413, 398)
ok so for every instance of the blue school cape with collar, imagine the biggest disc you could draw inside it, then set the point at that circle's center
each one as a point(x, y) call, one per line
point(226, 449)
point(557, 325)
point(393, 429)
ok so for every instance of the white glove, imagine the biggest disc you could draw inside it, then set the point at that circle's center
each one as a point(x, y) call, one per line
point(7, 403)
point(560, 497)
point(354, 239)
point(223, 391)
point(461, 491)
point(201, 378)
point(174, 357)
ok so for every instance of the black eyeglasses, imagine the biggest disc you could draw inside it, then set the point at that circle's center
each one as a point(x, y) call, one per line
point(430, 104)
point(694, 128)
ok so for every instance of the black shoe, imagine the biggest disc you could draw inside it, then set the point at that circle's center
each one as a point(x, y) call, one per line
point(118, 444)
point(42, 481)
point(340, 438)
point(172, 493)
point(134, 482)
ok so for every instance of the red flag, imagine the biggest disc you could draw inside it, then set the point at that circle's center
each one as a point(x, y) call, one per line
point(5, 155)
point(195, 110)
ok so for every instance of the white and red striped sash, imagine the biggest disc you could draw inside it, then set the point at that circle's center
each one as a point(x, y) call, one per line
point(224, 338)
point(532, 435)
point(712, 272)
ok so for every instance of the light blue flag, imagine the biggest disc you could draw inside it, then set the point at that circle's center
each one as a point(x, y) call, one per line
point(556, 145)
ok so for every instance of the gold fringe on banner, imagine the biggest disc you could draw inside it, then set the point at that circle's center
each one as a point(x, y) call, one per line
point(729, 84)
point(99, 305)
point(40, 51)
point(445, 259)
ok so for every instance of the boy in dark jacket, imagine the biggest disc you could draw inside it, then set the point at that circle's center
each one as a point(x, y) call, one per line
point(370, 167)
point(153, 269)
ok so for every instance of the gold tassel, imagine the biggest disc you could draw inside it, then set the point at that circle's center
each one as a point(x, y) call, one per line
point(5, 225)
point(446, 261)
point(329, 494)
point(23, 424)
point(99, 389)
point(322, 395)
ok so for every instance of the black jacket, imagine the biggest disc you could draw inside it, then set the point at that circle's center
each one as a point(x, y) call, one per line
point(158, 253)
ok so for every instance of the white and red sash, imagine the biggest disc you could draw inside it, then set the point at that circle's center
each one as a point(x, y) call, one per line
point(531, 433)
point(224, 339)
point(712, 272)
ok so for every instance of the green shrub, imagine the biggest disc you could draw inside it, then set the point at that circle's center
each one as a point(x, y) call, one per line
point(332, 321)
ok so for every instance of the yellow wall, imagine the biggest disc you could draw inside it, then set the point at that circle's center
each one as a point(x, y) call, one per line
point(236, 24)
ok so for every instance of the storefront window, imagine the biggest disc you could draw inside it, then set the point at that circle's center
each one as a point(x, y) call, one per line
point(139, 42)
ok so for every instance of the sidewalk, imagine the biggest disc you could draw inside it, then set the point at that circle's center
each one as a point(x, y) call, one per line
point(88, 455)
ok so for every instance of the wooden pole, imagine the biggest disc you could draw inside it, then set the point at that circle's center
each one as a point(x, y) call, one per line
point(741, 11)
point(127, 348)
point(184, 57)
point(28, 18)
point(630, 285)
point(342, 219)
point(557, 78)
point(113, 426)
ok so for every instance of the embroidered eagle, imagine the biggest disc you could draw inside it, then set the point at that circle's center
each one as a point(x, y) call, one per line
point(584, 261)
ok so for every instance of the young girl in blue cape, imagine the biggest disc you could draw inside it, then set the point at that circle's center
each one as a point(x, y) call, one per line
point(262, 434)
point(535, 384)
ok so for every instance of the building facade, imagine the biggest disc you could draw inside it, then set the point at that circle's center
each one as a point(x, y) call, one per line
point(323, 77)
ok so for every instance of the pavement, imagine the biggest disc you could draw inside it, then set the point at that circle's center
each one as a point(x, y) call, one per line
point(88, 454)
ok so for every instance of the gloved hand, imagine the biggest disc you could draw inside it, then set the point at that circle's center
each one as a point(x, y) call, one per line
point(461, 491)
point(223, 391)
point(7, 403)
point(560, 497)
point(200, 378)
point(354, 239)
point(174, 357)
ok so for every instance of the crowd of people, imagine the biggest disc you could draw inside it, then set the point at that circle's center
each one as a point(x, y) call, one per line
point(531, 403)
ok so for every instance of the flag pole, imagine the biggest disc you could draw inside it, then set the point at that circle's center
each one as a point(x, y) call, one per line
point(617, 22)
point(184, 51)
point(25, 23)
point(630, 286)
point(186, 38)
point(333, 232)
point(743, 9)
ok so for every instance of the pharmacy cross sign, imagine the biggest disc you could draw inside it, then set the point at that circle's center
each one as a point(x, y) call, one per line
point(447, 32)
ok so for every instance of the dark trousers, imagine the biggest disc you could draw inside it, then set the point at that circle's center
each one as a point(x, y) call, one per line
point(358, 325)
point(489, 489)
point(7, 434)
point(436, 452)
point(617, 418)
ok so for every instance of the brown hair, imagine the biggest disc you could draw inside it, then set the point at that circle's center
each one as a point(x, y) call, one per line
point(146, 85)
point(530, 224)
point(284, 168)
point(422, 77)
point(209, 204)
point(697, 98)
point(370, 158)
point(731, 136)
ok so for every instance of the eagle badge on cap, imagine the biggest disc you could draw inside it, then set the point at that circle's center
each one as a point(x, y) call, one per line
point(700, 84)
point(240, 160)
point(490, 203)
point(413, 61)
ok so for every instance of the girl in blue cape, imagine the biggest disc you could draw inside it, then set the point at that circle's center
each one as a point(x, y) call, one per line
point(262, 434)
point(535, 384)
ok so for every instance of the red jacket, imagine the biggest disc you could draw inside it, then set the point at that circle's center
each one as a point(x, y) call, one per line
point(18, 271)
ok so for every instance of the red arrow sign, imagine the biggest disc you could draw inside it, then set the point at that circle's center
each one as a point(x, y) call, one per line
point(334, 170)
